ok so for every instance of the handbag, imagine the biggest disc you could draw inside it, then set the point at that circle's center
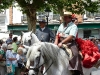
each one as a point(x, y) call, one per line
point(9, 68)
point(20, 65)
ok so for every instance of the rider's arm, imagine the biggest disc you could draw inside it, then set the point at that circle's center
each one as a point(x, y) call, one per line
point(72, 34)
point(66, 40)
point(56, 40)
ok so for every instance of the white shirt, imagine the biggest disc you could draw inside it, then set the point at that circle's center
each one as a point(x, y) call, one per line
point(42, 28)
point(9, 54)
point(19, 58)
point(70, 29)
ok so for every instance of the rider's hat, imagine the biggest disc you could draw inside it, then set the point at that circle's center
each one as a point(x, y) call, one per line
point(42, 21)
point(67, 13)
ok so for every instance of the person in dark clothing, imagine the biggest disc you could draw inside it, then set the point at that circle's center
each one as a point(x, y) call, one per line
point(44, 33)
point(9, 40)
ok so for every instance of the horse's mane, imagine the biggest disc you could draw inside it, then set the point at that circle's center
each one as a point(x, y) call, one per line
point(34, 38)
point(51, 51)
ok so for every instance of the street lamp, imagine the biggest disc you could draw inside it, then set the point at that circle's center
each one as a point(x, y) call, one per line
point(47, 10)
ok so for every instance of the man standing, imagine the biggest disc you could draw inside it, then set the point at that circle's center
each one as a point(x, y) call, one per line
point(66, 34)
point(44, 34)
point(9, 40)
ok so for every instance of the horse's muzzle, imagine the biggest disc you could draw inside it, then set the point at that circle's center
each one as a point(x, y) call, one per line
point(35, 69)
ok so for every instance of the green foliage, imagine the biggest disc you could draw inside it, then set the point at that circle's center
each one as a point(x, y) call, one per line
point(91, 6)
point(36, 5)
point(75, 6)
point(5, 4)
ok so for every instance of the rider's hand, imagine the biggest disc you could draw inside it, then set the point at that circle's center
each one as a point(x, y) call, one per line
point(60, 45)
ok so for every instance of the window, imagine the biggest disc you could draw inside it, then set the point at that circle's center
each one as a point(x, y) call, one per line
point(2, 18)
point(87, 33)
point(24, 18)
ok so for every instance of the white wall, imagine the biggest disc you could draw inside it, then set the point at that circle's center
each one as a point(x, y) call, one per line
point(3, 21)
point(80, 33)
point(50, 16)
point(17, 15)
point(16, 18)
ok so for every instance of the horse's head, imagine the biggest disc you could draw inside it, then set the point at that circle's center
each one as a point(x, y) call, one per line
point(29, 38)
point(26, 38)
point(34, 56)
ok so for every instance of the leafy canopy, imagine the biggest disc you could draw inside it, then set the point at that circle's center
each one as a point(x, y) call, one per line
point(75, 6)
point(4, 4)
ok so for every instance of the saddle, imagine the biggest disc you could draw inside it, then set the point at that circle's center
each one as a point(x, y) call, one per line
point(67, 50)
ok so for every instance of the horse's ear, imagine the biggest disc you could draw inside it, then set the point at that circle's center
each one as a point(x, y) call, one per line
point(39, 50)
point(32, 31)
point(22, 33)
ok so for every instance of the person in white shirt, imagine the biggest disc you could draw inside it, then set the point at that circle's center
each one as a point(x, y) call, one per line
point(10, 59)
point(20, 61)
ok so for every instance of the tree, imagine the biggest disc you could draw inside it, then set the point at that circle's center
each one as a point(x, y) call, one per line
point(74, 6)
point(30, 7)
point(4, 4)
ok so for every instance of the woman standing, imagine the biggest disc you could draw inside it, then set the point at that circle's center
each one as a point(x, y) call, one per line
point(9, 60)
point(14, 45)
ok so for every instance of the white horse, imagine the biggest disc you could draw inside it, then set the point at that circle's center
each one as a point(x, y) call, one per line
point(51, 56)
point(54, 59)
point(27, 39)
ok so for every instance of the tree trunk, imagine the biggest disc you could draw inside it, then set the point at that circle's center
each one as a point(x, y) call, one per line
point(31, 18)
point(61, 15)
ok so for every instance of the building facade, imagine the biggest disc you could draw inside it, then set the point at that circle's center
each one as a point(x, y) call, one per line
point(12, 20)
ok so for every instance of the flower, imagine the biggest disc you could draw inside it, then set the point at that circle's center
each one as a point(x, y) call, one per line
point(89, 51)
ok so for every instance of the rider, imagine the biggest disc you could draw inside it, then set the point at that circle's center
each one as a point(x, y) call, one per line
point(66, 34)
point(43, 33)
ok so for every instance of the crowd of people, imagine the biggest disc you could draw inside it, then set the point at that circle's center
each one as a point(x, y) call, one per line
point(12, 58)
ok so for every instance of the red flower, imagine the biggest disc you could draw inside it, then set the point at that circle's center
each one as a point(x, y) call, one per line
point(89, 51)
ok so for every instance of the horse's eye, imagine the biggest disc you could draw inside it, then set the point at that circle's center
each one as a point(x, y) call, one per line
point(39, 50)
point(37, 58)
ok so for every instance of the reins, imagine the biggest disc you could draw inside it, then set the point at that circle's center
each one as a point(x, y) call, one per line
point(48, 68)
point(37, 66)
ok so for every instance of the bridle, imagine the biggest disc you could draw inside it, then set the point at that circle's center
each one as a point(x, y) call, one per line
point(36, 69)
point(29, 41)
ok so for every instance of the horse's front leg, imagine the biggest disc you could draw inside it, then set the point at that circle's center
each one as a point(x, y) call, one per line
point(28, 64)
